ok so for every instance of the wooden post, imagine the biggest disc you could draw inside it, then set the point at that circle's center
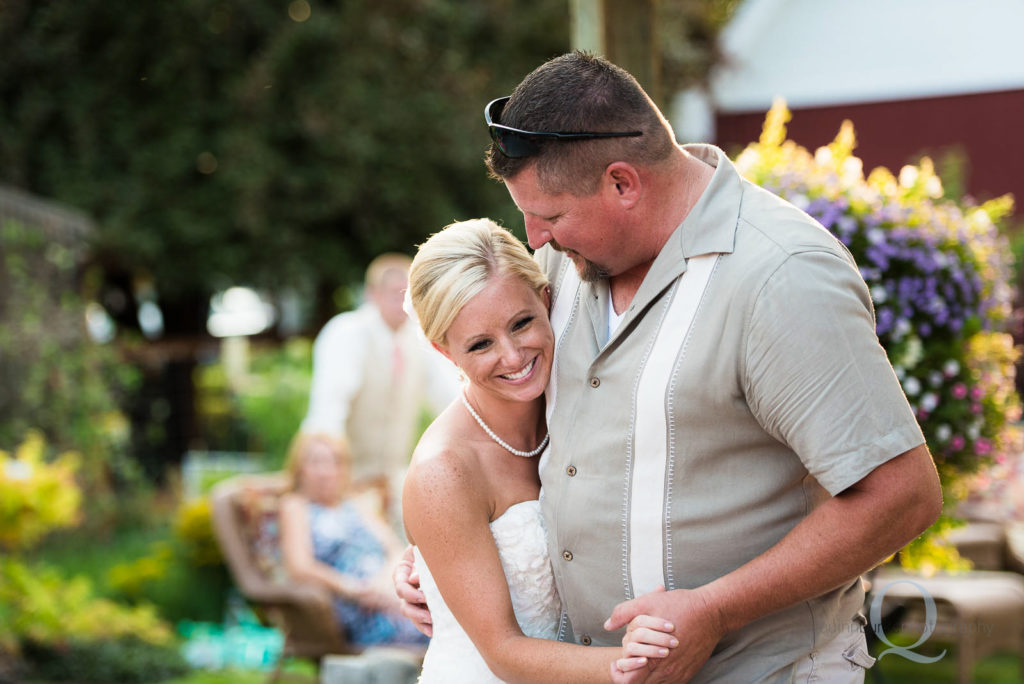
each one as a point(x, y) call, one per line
point(624, 32)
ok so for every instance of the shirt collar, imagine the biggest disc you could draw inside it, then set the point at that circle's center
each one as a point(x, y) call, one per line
point(709, 227)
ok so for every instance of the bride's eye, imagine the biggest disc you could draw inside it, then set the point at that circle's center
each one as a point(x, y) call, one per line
point(522, 323)
point(479, 345)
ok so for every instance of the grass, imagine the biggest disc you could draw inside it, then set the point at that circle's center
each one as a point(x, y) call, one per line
point(302, 669)
point(997, 669)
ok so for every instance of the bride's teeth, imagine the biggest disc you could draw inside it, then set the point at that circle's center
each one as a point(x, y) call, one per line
point(521, 374)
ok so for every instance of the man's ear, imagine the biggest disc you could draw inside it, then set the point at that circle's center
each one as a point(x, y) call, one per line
point(623, 182)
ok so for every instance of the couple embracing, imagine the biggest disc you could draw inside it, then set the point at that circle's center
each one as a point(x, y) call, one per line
point(689, 367)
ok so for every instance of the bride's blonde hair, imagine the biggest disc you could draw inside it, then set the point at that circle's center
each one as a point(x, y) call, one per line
point(454, 265)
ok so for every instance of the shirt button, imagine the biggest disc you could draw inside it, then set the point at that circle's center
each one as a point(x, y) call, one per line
point(585, 640)
point(567, 555)
point(595, 382)
point(571, 470)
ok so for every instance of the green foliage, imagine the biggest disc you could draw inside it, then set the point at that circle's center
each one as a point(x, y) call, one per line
point(36, 497)
point(53, 378)
point(931, 552)
point(257, 147)
point(39, 607)
point(274, 400)
point(38, 604)
point(176, 588)
point(126, 660)
point(182, 574)
point(687, 33)
point(193, 529)
point(267, 405)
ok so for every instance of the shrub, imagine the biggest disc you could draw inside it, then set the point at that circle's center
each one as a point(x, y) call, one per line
point(939, 274)
point(126, 660)
point(35, 497)
point(40, 610)
point(184, 576)
point(266, 406)
point(53, 378)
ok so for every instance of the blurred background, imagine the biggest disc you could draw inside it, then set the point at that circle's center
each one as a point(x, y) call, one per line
point(190, 190)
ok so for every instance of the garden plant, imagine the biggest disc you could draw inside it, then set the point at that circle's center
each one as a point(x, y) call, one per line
point(56, 628)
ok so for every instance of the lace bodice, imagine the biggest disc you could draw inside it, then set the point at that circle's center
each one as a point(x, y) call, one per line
point(520, 537)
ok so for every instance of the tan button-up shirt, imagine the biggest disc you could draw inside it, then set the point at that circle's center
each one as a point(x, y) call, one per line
point(743, 386)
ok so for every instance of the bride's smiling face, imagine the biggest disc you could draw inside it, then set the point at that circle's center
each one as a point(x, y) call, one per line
point(502, 340)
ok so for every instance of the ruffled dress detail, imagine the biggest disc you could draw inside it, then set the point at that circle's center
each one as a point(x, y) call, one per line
point(522, 545)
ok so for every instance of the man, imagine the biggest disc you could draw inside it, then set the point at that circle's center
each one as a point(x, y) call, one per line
point(372, 375)
point(723, 420)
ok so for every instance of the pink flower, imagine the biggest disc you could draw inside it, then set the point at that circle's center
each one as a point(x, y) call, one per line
point(977, 393)
point(957, 442)
point(959, 390)
point(982, 446)
point(975, 408)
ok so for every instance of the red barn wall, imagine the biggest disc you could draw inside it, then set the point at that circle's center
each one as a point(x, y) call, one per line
point(987, 127)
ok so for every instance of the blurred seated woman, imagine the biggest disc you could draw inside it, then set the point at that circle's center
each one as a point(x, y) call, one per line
point(342, 542)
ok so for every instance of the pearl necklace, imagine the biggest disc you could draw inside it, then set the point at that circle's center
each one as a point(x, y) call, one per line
point(499, 440)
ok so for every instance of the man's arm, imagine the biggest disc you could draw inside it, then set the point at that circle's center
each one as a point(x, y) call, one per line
point(844, 537)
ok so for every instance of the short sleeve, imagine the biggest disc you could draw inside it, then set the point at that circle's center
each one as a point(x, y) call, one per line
point(816, 376)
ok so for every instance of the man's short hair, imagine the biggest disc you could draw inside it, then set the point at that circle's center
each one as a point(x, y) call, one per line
point(385, 263)
point(579, 92)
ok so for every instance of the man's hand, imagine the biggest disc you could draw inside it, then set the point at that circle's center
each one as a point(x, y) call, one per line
point(697, 626)
point(407, 586)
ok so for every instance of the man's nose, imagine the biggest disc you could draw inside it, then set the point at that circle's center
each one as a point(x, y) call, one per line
point(537, 233)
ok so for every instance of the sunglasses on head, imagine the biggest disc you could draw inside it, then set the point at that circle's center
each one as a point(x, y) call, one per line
point(517, 143)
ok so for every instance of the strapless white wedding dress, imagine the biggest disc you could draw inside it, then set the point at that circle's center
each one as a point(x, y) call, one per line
point(520, 536)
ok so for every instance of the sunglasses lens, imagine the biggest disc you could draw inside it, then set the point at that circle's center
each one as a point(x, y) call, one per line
point(512, 144)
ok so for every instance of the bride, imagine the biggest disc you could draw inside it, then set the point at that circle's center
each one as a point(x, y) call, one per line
point(470, 498)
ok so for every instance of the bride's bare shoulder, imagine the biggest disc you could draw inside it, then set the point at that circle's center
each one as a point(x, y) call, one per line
point(445, 463)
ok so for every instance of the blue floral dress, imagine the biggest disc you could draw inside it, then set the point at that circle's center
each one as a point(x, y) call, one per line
point(342, 539)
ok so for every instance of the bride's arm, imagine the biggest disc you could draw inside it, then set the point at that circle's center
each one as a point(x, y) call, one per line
point(446, 507)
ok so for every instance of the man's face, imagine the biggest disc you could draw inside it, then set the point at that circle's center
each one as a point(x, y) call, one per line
point(389, 295)
point(578, 226)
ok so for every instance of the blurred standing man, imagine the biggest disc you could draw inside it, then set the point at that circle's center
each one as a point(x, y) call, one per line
point(372, 376)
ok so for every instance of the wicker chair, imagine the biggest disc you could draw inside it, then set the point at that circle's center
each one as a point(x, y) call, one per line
point(245, 522)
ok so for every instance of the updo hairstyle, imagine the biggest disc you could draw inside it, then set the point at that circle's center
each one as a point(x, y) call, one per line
point(455, 264)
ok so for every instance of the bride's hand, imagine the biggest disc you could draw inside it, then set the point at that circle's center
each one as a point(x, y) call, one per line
point(646, 637)
point(413, 601)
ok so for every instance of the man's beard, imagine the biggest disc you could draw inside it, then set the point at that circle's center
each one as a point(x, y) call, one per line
point(588, 270)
